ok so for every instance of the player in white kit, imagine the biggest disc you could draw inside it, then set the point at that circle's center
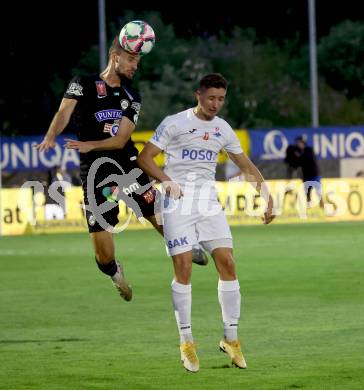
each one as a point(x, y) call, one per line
point(191, 212)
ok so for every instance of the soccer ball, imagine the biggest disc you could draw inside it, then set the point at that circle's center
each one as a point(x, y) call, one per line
point(137, 37)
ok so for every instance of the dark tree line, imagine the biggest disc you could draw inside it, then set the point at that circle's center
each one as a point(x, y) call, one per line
point(269, 80)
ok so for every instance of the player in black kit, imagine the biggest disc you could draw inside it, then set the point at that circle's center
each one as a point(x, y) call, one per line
point(104, 110)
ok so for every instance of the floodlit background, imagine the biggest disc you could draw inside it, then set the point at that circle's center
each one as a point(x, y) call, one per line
point(291, 72)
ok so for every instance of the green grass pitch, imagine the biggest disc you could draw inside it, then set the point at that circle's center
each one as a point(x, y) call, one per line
point(62, 325)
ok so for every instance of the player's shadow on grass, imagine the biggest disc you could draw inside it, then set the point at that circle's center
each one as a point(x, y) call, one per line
point(63, 340)
point(223, 366)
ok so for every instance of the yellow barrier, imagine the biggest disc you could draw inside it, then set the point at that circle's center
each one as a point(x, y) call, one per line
point(73, 220)
point(16, 210)
point(344, 201)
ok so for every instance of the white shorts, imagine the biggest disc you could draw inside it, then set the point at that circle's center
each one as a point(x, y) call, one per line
point(185, 225)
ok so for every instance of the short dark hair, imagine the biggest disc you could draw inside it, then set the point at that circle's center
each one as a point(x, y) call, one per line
point(213, 80)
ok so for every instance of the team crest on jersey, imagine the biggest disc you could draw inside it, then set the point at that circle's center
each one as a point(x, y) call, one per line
point(101, 89)
point(206, 136)
point(217, 133)
point(124, 104)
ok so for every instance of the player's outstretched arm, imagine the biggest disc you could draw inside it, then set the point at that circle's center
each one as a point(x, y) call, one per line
point(253, 175)
point(58, 124)
point(125, 130)
point(147, 164)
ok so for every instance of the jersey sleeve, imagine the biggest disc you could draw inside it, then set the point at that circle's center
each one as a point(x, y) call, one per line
point(133, 109)
point(75, 89)
point(163, 134)
point(233, 143)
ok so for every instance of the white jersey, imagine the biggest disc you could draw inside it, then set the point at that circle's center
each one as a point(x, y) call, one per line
point(192, 146)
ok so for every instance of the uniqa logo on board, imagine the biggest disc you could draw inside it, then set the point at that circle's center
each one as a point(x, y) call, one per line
point(334, 145)
point(23, 155)
point(275, 145)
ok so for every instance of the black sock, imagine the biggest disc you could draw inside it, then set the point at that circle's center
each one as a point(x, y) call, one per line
point(109, 268)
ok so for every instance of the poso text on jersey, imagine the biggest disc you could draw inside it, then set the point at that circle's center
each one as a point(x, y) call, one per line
point(199, 154)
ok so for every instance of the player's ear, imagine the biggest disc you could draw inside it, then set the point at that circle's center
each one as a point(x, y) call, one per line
point(197, 95)
point(115, 57)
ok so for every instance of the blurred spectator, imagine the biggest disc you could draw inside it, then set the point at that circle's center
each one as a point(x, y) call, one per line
point(55, 200)
point(310, 169)
point(62, 175)
point(293, 153)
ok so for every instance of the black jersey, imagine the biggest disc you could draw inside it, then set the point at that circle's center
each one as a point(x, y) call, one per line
point(97, 115)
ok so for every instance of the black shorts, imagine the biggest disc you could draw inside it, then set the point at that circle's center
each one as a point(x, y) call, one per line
point(137, 193)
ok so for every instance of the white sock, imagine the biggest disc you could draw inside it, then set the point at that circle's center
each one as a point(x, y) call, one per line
point(182, 302)
point(229, 298)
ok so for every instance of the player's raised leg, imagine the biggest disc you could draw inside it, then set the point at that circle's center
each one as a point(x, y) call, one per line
point(104, 247)
point(182, 302)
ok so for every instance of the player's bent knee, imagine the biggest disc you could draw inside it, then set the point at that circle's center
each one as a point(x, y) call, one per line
point(230, 264)
point(183, 278)
point(104, 257)
point(103, 247)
